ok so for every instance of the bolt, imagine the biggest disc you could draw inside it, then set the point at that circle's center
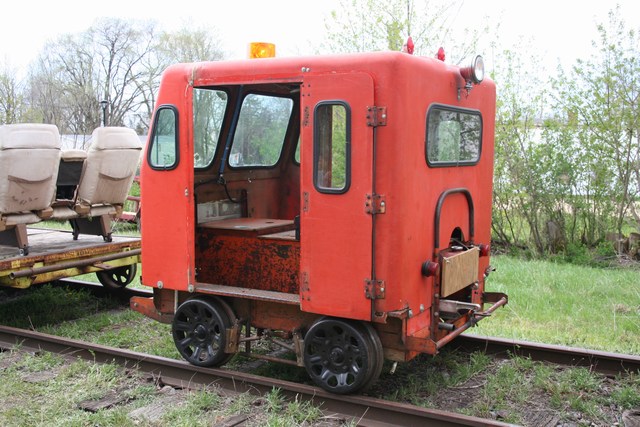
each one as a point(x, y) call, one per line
point(160, 284)
point(421, 308)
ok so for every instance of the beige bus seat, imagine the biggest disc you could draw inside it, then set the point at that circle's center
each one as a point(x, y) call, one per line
point(108, 172)
point(29, 162)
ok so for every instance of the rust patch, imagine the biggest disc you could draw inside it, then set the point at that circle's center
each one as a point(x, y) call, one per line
point(249, 262)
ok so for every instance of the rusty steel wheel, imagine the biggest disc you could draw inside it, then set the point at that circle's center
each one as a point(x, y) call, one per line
point(117, 278)
point(339, 355)
point(199, 332)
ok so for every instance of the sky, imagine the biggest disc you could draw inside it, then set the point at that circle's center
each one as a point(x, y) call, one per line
point(554, 29)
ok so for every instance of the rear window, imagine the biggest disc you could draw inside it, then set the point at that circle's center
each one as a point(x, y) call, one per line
point(454, 136)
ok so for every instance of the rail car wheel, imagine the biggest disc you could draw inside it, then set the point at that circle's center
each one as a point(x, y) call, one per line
point(117, 278)
point(199, 332)
point(377, 355)
point(339, 355)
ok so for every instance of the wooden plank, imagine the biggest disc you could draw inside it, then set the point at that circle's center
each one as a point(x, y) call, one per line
point(248, 226)
point(459, 271)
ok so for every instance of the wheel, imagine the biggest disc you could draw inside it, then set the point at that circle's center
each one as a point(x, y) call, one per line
point(199, 332)
point(339, 355)
point(377, 355)
point(117, 278)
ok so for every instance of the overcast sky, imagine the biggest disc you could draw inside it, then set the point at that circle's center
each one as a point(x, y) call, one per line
point(557, 28)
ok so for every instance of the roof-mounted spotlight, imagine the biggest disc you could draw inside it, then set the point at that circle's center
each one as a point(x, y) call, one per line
point(472, 74)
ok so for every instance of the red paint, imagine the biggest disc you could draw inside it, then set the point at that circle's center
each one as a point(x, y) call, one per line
point(342, 246)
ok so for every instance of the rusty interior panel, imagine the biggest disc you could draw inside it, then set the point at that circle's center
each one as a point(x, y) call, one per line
point(249, 253)
point(459, 270)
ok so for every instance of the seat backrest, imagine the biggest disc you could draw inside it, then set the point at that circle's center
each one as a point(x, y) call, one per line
point(29, 161)
point(110, 167)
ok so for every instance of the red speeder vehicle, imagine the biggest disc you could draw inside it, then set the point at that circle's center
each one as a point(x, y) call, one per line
point(339, 206)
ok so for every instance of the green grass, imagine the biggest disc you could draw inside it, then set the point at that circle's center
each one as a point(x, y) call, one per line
point(566, 304)
point(552, 303)
point(33, 308)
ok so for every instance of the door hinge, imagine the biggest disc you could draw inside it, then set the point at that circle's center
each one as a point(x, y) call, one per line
point(375, 204)
point(374, 289)
point(376, 116)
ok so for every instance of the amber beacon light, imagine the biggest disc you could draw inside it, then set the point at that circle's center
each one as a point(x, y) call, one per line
point(262, 50)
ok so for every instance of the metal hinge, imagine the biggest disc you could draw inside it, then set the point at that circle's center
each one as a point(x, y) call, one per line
point(375, 204)
point(376, 116)
point(374, 289)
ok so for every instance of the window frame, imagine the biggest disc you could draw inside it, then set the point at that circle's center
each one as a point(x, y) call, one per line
point(445, 107)
point(316, 151)
point(284, 140)
point(152, 140)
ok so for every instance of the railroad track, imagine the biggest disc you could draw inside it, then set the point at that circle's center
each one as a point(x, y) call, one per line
point(366, 411)
point(599, 361)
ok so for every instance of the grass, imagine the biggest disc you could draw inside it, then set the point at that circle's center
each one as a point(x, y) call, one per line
point(548, 302)
point(514, 390)
point(566, 304)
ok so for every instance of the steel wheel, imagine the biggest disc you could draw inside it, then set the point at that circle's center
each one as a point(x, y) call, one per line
point(377, 355)
point(338, 355)
point(117, 278)
point(199, 332)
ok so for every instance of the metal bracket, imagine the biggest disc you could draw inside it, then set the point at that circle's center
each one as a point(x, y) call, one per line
point(375, 204)
point(451, 306)
point(374, 289)
point(376, 116)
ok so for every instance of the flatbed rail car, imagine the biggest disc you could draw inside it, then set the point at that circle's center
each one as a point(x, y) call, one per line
point(342, 202)
point(55, 255)
point(41, 182)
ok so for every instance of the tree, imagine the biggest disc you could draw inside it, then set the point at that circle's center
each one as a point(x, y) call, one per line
point(11, 98)
point(519, 193)
point(75, 72)
point(187, 44)
point(367, 25)
point(119, 61)
point(601, 95)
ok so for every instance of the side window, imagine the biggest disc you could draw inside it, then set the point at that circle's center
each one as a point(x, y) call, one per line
point(259, 135)
point(208, 112)
point(454, 136)
point(332, 147)
point(163, 153)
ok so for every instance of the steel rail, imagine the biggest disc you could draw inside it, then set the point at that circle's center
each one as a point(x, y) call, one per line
point(599, 361)
point(367, 411)
point(604, 362)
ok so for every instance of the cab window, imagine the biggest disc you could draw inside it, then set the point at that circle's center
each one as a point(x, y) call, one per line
point(332, 147)
point(163, 153)
point(208, 112)
point(454, 136)
point(259, 135)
